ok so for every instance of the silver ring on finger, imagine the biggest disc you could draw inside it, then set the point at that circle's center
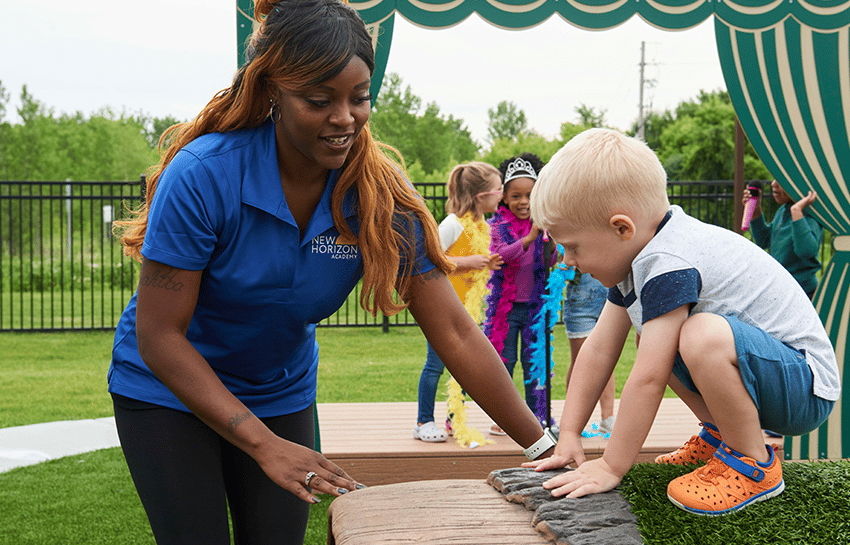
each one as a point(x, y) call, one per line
point(309, 478)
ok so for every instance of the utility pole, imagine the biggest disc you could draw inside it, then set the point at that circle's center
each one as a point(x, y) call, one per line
point(641, 120)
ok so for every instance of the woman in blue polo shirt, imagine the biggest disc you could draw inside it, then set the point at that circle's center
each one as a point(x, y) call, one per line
point(263, 214)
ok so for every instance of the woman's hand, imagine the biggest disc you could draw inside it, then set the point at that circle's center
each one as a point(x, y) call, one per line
point(591, 477)
point(289, 464)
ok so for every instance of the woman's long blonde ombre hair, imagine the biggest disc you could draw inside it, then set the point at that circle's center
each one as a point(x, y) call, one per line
point(301, 43)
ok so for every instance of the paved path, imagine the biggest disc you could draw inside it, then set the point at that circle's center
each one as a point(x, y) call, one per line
point(28, 445)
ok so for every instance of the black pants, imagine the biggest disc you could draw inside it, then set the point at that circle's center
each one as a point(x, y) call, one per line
point(186, 476)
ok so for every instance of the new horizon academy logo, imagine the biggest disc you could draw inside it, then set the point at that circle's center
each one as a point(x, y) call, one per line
point(330, 245)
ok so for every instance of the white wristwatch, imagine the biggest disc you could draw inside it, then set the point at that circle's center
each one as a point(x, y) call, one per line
point(542, 445)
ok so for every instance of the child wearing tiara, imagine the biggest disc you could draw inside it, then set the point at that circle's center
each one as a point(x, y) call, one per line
point(516, 290)
point(474, 189)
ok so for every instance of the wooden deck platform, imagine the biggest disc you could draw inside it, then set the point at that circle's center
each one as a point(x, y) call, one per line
point(374, 442)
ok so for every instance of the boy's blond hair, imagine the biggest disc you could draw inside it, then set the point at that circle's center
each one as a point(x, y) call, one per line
point(598, 173)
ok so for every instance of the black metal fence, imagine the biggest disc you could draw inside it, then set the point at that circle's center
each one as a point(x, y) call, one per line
point(62, 269)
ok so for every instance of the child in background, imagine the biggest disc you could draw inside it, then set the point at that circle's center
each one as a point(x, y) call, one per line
point(582, 305)
point(473, 190)
point(516, 290)
point(793, 237)
point(720, 321)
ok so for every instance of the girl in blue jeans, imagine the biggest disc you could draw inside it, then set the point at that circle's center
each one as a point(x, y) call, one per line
point(473, 190)
point(582, 306)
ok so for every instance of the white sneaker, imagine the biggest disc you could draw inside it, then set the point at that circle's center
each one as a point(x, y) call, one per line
point(605, 426)
point(429, 433)
point(600, 429)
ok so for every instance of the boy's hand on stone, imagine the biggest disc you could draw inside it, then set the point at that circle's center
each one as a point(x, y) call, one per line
point(591, 477)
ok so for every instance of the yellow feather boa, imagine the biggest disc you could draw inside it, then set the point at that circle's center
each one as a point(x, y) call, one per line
point(465, 435)
point(479, 243)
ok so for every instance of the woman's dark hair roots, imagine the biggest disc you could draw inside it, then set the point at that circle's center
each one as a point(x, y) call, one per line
point(313, 40)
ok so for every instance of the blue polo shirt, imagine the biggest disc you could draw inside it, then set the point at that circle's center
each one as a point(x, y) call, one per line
point(219, 207)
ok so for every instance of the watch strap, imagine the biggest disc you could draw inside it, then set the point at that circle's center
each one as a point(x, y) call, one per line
point(542, 445)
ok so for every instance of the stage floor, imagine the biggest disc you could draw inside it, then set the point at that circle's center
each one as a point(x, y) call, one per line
point(374, 442)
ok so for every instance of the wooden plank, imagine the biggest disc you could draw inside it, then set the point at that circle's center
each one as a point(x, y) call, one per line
point(374, 442)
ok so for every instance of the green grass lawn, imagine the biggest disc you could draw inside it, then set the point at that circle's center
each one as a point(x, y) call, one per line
point(90, 499)
point(46, 377)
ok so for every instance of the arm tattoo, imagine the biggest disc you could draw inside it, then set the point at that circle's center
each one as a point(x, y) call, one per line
point(162, 278)
point(238, 419)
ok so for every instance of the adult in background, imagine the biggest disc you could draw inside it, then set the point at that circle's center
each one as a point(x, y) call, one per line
point(263, 214)
point(793, 237)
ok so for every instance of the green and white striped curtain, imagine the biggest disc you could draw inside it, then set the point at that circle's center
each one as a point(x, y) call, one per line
point(787, 69)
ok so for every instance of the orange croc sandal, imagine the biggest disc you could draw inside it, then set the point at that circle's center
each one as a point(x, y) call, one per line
point(699, 448)
point(729, 482)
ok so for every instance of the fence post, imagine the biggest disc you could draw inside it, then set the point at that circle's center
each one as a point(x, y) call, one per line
point(68, 213)
point(385, 326)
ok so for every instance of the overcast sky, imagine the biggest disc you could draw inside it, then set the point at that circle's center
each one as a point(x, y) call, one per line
point(168, 57)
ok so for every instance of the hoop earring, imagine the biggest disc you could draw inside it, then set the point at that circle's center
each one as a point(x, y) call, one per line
point(275, 108)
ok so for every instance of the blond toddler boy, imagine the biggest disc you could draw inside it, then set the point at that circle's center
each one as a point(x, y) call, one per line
point(720, 322)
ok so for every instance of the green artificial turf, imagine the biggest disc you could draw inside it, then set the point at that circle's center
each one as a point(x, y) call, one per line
point(813, 509)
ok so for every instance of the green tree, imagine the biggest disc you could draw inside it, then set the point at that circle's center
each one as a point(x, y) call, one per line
point(429, 138)
point(507, 122)
point(105, 146)
point(653, 126)
point(505, 148)
point(589, 118)
point(568, 130)
point(700, 143)
point(44, 146)
point(5, 133)
point(153, 127)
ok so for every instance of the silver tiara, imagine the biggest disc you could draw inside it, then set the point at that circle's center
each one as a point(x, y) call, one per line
point(520, 168)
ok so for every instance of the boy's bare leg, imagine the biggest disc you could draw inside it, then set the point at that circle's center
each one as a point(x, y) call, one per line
point(707, 347)
point(693, 400)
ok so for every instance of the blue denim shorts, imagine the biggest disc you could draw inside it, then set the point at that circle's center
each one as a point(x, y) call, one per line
point(778, 379)
point(582, 306)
